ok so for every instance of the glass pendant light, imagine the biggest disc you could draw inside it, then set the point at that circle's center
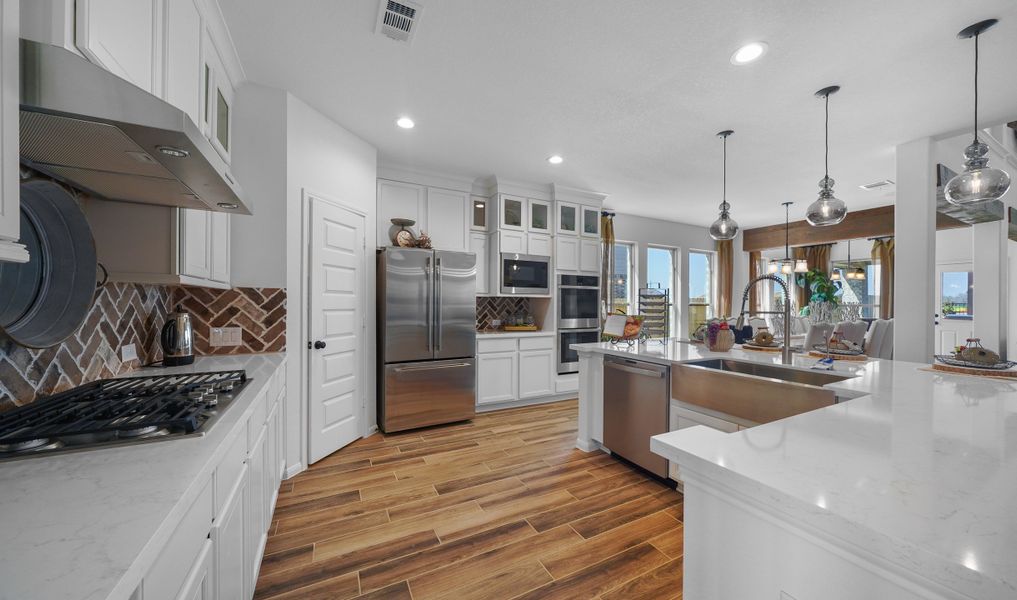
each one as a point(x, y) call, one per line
point(787, 265)
point(855, 273)
point(978, 182)
point(724, 228)
point(827, 209)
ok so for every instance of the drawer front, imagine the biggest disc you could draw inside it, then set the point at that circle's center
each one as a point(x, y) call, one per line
point(537, 343)
point(229, 470)
point(496, 345)
point(167, 576)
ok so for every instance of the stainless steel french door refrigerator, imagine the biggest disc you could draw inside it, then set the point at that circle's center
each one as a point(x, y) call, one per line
point(427, 337)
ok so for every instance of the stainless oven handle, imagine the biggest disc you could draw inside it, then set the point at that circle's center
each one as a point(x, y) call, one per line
point(578, 287)
point(635, 371)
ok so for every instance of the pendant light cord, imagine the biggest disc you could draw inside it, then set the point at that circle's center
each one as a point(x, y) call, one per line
point(787, 231)
point(725, 171)
point(976, 87)
point(826, 164)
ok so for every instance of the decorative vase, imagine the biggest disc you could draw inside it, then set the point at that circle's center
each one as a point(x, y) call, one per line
point(723, 342)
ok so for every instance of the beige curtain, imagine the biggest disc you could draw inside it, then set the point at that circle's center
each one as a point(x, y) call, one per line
point(883, 255)
point(725, 276)
point(801, 293)
point(755, 257)
point(606, 264)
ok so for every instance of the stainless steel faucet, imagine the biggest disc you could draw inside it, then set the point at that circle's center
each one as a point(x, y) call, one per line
point(785, 353)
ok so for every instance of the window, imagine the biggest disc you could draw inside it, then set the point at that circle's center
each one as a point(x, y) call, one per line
point(661, 273)
point(701, 287)
point(957, 296)
point(859, 291)
point(623, 278)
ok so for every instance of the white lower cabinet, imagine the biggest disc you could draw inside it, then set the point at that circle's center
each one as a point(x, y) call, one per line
point(536, 377)
point(496, 377)
point(511, 369)
point(256, 522)
point(228, 537)
point(200, 582)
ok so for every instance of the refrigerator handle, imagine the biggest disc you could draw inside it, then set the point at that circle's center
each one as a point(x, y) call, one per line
point(430, 304)
point(437, 302)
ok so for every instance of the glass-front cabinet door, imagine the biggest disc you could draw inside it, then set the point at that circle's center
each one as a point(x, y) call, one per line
point(591, 221)
point(513, 212)
point(478, 208)
point(539, 216)
point(568, 218)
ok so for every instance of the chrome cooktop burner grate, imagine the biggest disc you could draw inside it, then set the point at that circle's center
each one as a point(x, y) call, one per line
point(118, 411)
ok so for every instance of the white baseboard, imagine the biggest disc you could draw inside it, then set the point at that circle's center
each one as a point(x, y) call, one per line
point(528, 402)
point(293, 470)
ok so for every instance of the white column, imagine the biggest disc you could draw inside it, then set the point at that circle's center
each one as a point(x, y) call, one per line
point(915, 252)
point(989, 256)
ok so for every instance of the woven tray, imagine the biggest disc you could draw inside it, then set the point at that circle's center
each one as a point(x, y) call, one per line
point(520, 328)
point(1008, 374)
point(761, 348)
point(854, 357)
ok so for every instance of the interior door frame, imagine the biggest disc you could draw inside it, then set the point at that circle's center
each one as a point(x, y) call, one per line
point(305, 322)
point(937, 289)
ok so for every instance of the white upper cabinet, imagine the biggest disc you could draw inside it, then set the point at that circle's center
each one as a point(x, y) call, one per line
point(195, 246)
point(512, 212)
point(568, 218)
point(478, 213)
point(591, 221)
point(479, 244)
point(119, 35)
point(219, 247)
point(539, 216)
point(447, 219)
point(566, 253)
point(400, 200)
point(182, 65)
point(538, 244)
point(589, 256)
point(10, 199)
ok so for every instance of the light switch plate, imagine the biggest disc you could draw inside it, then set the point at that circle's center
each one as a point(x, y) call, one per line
point(129, 353)
point(215, 337)
point(232, 336)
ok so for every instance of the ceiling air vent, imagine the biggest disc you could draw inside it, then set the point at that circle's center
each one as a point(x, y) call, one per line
point(875, 185)
point(399, 20)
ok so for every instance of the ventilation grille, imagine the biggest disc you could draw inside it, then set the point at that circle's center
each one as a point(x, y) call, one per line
point(875, 185)
point(398, 20)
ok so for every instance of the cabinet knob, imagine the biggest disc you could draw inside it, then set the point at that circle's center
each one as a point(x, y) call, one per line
point(318, 345)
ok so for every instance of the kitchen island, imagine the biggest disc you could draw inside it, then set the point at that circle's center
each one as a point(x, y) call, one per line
point(903, 489)
point(96, 524)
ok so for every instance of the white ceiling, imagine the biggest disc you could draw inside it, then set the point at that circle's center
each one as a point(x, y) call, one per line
point(632, 93)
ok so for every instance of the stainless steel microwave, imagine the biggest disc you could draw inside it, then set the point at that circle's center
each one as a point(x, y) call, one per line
point(525, 275)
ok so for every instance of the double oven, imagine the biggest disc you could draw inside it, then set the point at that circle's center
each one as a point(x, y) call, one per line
point(578, 317)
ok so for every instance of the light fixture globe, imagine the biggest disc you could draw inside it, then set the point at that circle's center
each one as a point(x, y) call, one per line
point(724, 228)
point(827, 209)
point(979, 182)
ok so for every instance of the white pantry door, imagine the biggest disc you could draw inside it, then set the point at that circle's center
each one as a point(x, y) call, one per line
point(952, 331)
point(337, 290)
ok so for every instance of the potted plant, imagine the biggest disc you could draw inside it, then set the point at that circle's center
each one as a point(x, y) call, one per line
point(821, 289)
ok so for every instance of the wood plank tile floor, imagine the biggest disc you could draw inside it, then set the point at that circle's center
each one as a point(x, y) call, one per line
point(502, 507)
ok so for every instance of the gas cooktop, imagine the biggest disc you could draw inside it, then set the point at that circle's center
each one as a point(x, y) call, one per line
point(111, 412)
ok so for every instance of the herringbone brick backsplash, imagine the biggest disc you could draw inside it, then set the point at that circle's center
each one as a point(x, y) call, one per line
point(494, 307)
point(124, 314)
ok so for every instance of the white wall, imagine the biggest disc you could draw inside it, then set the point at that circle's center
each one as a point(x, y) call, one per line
point(646, 232)
point(326, 159)
point(258, 242)
point(954, 245)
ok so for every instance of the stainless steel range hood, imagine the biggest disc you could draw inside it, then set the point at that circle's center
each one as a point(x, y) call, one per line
point(95, 131)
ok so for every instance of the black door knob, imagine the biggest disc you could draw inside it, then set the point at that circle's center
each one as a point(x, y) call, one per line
point(319, 345)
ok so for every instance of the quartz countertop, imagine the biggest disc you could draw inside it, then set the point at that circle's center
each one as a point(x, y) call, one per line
point(88, 525)
point(919, 469)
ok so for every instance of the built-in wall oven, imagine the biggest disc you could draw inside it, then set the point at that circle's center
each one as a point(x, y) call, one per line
point(525, 275)
point(568, 359)
point(578, 301)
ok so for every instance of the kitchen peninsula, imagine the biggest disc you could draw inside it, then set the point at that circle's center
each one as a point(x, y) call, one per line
point(903, 489)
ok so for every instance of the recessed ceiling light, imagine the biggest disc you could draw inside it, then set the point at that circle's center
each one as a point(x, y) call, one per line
point(405, 122)
point(749, 53)
point(555, 159)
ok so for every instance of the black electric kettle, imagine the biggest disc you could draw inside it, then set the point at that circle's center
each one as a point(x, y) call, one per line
point(177, 339)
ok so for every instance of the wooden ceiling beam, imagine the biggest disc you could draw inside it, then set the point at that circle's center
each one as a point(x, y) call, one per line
point(868, 223)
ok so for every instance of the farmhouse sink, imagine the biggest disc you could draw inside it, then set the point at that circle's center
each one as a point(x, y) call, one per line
point(755, 392)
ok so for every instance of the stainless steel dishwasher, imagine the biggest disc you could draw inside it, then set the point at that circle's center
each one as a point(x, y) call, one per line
point(636, 405)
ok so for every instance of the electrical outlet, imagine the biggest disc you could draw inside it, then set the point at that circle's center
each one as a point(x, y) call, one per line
point(215, 337)
point(232, 336)
point(129, 353)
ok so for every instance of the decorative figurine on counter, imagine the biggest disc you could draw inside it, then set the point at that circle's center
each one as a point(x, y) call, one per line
point(719, 337)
